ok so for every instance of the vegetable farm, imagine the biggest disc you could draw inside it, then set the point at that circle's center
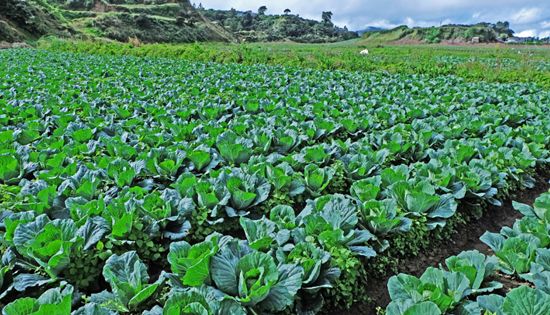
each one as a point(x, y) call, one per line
point(155, 186)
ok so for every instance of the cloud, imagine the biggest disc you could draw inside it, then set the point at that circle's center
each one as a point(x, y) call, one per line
point(356, 14)
point(545, 24)
point(409, 21)
point(381, 24)
point(526, 15)
point(527, 33)
point(534, 33)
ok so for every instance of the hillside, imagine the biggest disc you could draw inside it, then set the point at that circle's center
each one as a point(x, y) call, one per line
point(174, 21)
point(261, 27)
point(156, 21)
point(452, 33)
point(23, 20)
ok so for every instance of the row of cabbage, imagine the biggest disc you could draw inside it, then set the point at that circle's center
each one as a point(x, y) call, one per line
point(468, 284)
point(143, 176)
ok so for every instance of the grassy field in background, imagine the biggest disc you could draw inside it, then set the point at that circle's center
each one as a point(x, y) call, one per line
point(491, 63)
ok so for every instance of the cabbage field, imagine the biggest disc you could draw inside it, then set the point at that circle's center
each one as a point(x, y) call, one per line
point(156, 186)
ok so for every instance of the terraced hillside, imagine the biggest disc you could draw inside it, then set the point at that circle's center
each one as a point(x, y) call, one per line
point(23, 20)
point(457, 34)
point(159, 21)
point(162, 21)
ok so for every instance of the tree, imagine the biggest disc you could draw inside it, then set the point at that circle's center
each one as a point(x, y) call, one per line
point(262, 9)
point(327, 17)
point(143, 21)
point(287, 11)
point(504, 28)
point(247, 20)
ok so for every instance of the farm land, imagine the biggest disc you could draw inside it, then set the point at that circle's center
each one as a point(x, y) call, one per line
point(274, 179)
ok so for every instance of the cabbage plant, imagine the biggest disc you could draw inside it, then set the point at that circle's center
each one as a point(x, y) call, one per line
point(242, 189)
point(129, 281)
point(254, 279)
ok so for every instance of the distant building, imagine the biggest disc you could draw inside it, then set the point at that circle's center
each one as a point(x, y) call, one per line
point(520, 40)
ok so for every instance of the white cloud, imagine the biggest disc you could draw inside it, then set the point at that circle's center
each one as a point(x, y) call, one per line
point(527, 33)
point(409, 21)
point(522, 14)
point(545, 24)
point(381, 23)
point(526, 15)
point(544, 34)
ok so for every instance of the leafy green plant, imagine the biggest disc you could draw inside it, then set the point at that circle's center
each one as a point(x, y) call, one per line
point(244, 191)
point(162, 162)
point(539, 273)
point(206, 300)
point(53, 301)
point(234, 149)
point(364, 164)
point(441, 288)
point(129, 281)
point(521, 300)
point(263, 233)
point(477, 268)
point(10, 167)
point(203, 158)
point(121, 172)
point(381, 218)
point(317, 179)
point(51, 244)
point(540, 209)
point(191, 263)
point(318, 275)
point(420, 199)
point(254, 280)
point(515, 253)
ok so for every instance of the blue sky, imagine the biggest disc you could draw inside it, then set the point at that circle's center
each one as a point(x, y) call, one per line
point(527, 17)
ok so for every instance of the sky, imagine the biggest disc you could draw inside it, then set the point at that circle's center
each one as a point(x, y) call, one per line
point(526, 17)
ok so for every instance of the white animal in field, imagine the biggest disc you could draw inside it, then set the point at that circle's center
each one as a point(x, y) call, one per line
point(364, 52)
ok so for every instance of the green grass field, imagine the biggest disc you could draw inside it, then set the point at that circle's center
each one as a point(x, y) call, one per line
point(491, 63)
